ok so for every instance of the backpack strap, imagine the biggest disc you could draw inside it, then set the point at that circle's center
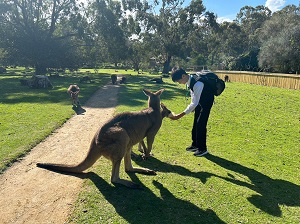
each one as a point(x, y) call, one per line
point(192, 82)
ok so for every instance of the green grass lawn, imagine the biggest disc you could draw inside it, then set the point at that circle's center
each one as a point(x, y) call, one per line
point(250, 176)
point(28, 115)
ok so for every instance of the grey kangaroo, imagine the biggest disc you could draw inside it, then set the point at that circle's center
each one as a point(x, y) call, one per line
point(165, 112)
point(114, 141)
point(74, 90)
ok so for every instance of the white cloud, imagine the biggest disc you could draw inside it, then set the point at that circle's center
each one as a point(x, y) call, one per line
point(275, 5)
point(224, 19)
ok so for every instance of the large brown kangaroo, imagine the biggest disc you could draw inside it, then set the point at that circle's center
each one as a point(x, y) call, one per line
point(114, 140)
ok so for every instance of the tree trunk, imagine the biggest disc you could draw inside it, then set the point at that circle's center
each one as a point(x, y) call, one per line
point(40, 69)
point(136, 65)
point(166, 68)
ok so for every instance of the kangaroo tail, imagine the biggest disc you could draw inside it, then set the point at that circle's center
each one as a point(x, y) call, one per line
point(90, 159)
point(60, 167)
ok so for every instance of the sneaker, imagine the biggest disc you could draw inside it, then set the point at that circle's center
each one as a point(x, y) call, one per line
point(200, 152)
point(192, 148)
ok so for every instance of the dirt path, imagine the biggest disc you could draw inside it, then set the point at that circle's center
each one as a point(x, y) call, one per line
point(32, 195)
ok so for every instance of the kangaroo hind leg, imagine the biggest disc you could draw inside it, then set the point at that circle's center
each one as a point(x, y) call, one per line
point(115, 176)
point(116, 152)
point(130, 169)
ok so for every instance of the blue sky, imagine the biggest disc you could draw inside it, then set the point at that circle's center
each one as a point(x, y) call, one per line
point(228, 9)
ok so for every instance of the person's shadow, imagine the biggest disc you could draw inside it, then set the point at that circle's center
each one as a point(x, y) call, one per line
point(143, 206)
point(157, 165)
point(270, 192)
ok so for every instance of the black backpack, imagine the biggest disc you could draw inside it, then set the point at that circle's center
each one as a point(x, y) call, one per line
point(209, 79)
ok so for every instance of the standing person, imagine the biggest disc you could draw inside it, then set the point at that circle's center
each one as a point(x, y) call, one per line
point(201, 102)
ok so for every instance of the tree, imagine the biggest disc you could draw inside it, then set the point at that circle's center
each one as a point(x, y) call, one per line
point(250, 20)
point(232, 42)
point(40, 33)
point(206, 39)
point(245, 62)
point(136, 49)
point(280, 41)
point(107, 17)
point(167, 30)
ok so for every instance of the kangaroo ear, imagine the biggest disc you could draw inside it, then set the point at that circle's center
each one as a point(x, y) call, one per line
point(147, 92)
point(159, 92)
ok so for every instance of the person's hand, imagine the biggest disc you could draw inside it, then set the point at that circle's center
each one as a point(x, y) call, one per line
point(177, 116)
point(174, 117)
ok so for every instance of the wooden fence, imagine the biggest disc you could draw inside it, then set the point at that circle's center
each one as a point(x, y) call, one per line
point(288, 81)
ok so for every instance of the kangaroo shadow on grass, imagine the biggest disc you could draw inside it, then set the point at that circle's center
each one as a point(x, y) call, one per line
point(78, 110)
point(152, 208)
point(271, 192)
point(165, 208)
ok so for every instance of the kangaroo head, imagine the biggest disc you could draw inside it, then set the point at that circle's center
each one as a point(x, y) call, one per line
point(153, 98)
point(73, 95)
point(165, 112)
